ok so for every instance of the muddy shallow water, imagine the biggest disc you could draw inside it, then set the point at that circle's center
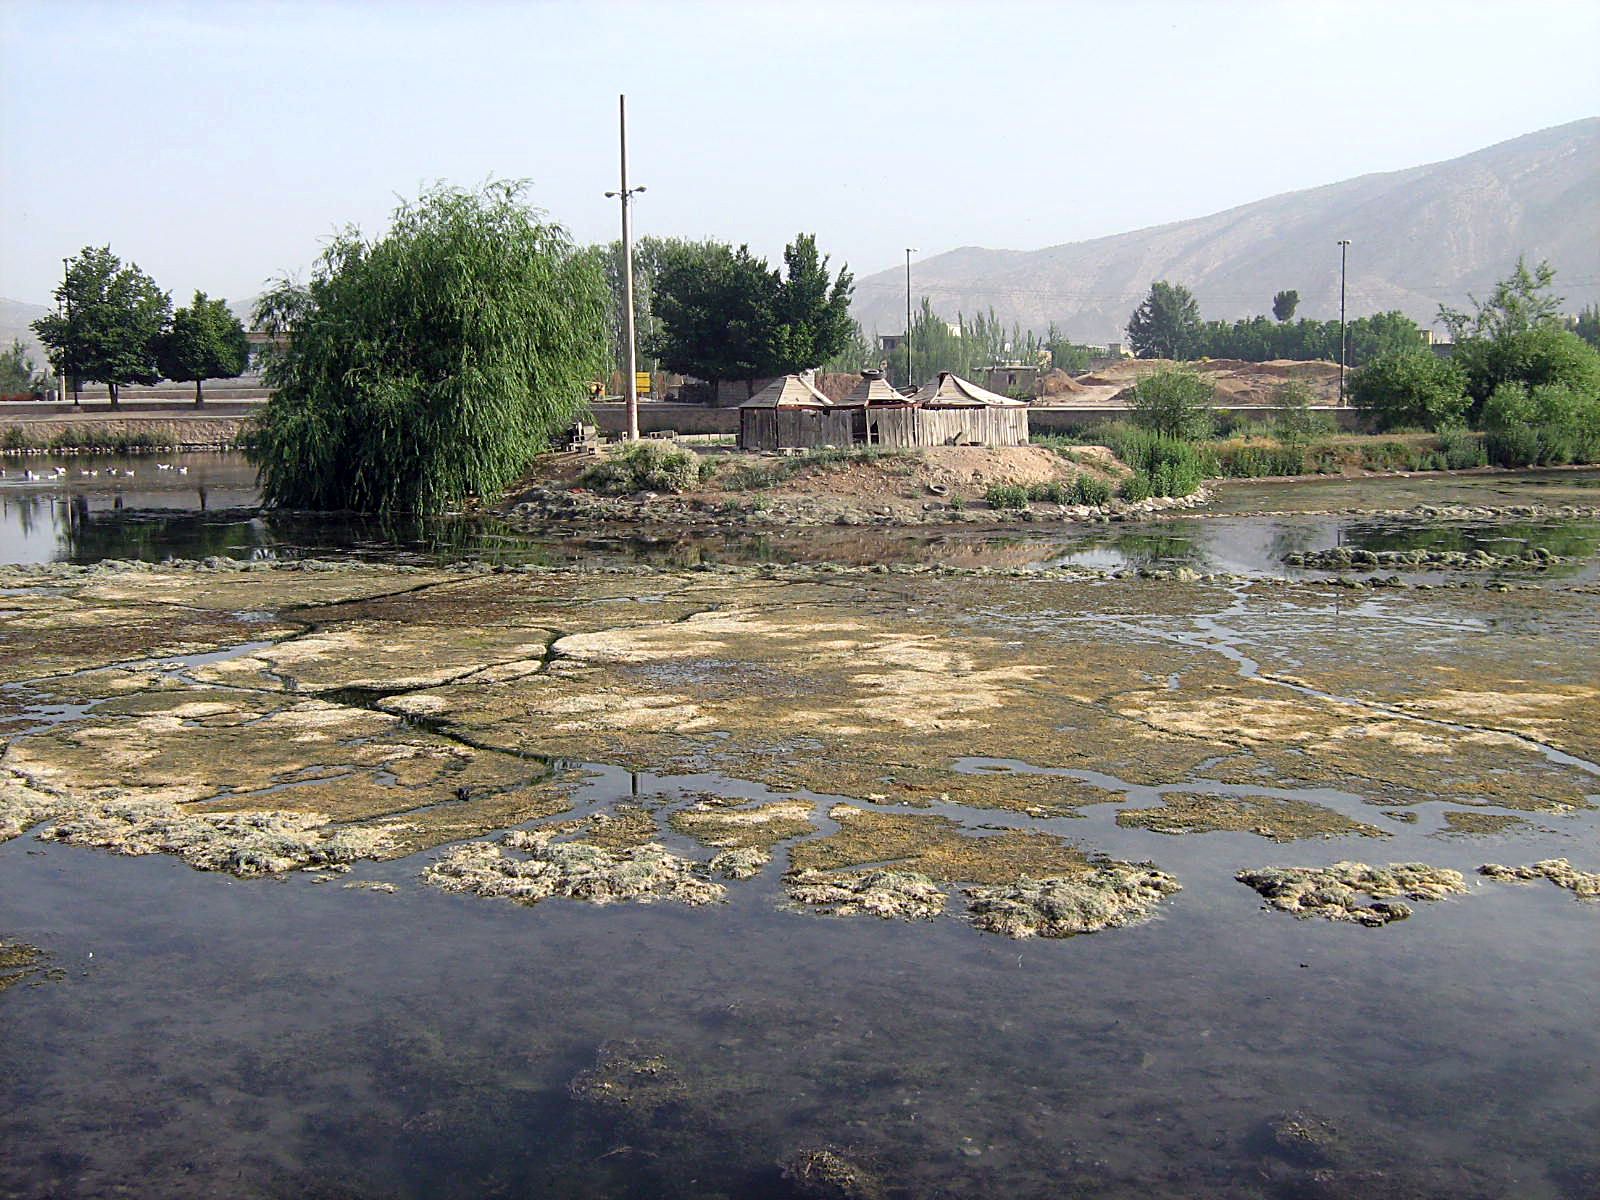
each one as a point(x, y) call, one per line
point(192, 1032)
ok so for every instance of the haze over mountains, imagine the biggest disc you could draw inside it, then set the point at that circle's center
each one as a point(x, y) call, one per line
point(1419, 237)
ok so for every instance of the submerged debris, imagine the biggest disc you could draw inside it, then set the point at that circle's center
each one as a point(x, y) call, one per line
point(1585, 885)
point(1336, 892)
point(892, 895)
point(575, 870)
point(20, 961)
point(1303, 1139)
point(1109, 895)
point(241, 843)
point(629, 1083)
point(825, 1174)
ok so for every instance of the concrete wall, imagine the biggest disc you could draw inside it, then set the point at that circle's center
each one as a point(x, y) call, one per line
point(653, 418)
point(1065, 418)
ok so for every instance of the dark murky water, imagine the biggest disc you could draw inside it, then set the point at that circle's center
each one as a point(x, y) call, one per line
point(293, 1038)
point(210, 511)
point(255, 1038)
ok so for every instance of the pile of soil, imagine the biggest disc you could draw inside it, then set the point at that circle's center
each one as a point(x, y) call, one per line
point(1238, 383)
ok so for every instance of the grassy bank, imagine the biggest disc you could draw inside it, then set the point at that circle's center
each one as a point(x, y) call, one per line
point(1165, 466)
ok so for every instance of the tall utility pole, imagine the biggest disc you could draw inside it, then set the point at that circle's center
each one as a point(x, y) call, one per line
point(626, 193)
point(910, 378)
point(1344, 245)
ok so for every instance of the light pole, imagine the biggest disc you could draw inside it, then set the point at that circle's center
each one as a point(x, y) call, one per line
point(1344, 245)
point(910, 378)
point(66, 351)
point(631, 384)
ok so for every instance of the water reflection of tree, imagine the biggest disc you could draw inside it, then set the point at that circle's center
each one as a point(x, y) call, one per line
point(1146, 549)
point(90, 537)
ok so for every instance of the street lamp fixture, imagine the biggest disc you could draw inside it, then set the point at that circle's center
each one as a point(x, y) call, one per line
point(911, 380)
point(625, 194)
point(1344, 245)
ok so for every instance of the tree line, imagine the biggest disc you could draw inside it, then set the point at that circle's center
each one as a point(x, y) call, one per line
point(113, 325)
point(1520, 371)
point(1167, 324)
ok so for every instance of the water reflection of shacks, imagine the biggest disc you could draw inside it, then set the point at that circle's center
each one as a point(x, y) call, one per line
point(790, 413)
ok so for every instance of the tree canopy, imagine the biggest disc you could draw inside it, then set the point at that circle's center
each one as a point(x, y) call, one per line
point(431, 364)
point(1166, 324)
point(110, 317)
point(1284, 304)
point(1410, 389)
point(206, 341)
point(18, 373)
point(725, 314)
point(1174, 402)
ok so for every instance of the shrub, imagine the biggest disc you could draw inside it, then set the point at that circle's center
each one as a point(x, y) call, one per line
point(645, 467)
point(1296, 422)
point(1053, 492)
point(1541, 426)
point(1006, 495)
point(1461, 449)
point(1091, 490)
point(1410, 387)
point(1174, 402)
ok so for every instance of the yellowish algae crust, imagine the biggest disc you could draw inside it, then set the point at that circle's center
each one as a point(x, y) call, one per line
point(531, 865)
point(1584, 885)
point(346, 711)
point(1339, 892)
point(1456, 821)
point(1108, 896)
point(1277, 818)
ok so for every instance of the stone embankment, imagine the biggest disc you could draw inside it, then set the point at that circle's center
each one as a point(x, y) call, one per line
point(1344, 558)
point(546, 504)
point(39, 435)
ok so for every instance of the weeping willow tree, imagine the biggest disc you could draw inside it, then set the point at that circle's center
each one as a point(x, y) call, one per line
point(430, 364)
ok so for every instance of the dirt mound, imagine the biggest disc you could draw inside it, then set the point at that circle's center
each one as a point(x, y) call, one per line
point(1059, 383)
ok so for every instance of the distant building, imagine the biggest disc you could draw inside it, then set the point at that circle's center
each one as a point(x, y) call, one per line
point(1012, 377)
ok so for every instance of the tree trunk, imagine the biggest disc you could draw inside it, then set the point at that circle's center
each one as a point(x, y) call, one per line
point(197, 393)
point(111, 390)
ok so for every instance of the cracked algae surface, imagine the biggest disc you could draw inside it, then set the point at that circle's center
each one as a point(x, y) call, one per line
point(272, 718)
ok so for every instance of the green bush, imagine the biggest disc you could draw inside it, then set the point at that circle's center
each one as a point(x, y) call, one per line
point(1007, 495)
point(1410, 388)
point(1548, 425)
point(1462, 450)
point(1091, 490)
point(1173, 402)
point(1053, 492)
point(645, 467)
point(1256, 462)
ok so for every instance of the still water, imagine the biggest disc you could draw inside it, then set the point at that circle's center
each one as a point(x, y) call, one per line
point(210, 508)
point(210, 1036)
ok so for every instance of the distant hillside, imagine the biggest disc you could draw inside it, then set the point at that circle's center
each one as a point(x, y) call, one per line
point(1419, 237)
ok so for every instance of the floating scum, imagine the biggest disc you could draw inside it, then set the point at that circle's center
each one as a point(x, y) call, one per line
point(432, 364)
point(383, 711)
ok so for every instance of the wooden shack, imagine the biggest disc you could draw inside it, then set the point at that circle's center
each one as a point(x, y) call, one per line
point(791, 414)
point(947, 411)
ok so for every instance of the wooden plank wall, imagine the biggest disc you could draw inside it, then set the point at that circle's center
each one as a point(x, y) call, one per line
point(799, 428)
point(909, 428)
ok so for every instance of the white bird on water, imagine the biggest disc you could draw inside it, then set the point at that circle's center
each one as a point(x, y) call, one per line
point(183, 470)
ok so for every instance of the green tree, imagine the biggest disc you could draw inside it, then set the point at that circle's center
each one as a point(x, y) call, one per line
point(1410, 389)
point(1174, 402)
point(812, 309)
point(433, 363)
point(1519, 302)
point(1166, 324)
point(725, 314)
point(1587, 325)
point(18, 373)
point(206, 341)
point(715, 306)
point(109, 320)
point(1284, 304)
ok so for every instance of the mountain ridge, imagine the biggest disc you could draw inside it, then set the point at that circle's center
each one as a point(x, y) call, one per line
point(1420, 236)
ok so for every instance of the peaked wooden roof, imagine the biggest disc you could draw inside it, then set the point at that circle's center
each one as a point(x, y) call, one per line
point(949, 390)
point(873, 389)
point(788, 391)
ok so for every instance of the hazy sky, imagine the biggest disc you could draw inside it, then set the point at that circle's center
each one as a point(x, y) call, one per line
point(217, 144)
